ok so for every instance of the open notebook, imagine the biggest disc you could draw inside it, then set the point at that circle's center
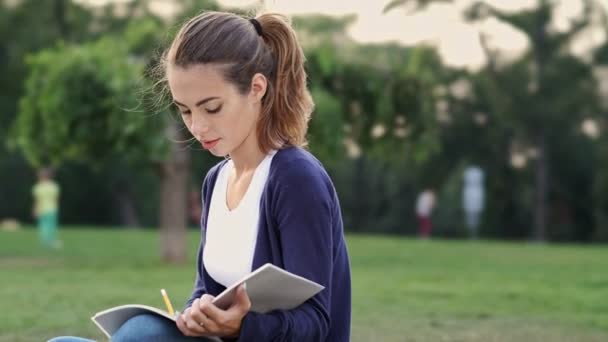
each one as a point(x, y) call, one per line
point(269, 288)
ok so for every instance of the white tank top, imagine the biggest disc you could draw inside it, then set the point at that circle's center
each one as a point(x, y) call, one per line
point(231, 234)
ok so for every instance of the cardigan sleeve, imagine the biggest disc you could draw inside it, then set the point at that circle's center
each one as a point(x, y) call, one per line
point(199, 284)
point(302, 206)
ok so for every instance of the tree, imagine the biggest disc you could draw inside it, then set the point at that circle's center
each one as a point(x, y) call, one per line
point(373, 103)
point(27, 26)
point(79, 105)
point(600, 185)
point(533, 115)
point(414, 5)
point(113, 68)
point(542, 111)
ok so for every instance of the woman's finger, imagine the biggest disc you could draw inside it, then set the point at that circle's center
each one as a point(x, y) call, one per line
point(192, 323)
point(195, 311)
point(213, 313)
point(196, 314)
point(195, 328)
point(242, 303)
point(211, 326)
point(181, 325)
point(207, 298)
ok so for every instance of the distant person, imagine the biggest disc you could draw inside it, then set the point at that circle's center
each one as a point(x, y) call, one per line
point(46, 207)
point(425, 203)
point(473, 199)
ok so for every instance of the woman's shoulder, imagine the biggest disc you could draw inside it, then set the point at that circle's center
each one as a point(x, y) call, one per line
point(295, 165)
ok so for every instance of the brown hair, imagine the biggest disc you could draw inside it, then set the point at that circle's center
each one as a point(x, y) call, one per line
point(233, 43)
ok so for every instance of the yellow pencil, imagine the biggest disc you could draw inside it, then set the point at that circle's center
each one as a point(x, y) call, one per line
point(167, 302)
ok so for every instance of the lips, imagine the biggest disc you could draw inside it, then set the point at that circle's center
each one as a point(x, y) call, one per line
point(209, 144)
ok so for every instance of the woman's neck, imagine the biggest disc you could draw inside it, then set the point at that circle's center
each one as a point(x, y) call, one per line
point(248, 155)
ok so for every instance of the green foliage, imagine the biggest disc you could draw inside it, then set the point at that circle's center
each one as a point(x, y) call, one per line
point(323, 26)
point(144, 35)
point(326, 131)
point(26, 27)
point(80, 104)
point(416, 4)
point(88, 102)
point(384, 97)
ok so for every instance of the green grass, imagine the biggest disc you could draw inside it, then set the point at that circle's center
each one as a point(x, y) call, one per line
point(403, 289)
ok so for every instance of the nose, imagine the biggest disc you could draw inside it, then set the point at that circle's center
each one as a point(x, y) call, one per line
point(199, 126)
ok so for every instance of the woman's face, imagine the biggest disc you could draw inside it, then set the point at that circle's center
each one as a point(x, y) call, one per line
point(213, 110)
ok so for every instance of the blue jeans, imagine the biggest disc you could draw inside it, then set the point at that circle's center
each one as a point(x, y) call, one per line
point(143, 328)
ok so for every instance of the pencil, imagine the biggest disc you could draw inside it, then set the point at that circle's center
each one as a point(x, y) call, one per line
point(167, 302)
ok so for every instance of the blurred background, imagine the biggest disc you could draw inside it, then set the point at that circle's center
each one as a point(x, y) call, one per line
point(467, 122)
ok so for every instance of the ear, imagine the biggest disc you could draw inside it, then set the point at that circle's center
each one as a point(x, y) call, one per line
point(259, 83)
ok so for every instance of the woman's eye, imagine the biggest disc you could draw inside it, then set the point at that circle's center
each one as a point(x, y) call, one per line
point(185, 112)
point(215, 110)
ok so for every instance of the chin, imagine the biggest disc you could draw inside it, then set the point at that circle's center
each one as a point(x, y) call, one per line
point(218, 151)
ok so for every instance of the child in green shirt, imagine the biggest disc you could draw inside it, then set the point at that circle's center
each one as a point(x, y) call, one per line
point(46, 205)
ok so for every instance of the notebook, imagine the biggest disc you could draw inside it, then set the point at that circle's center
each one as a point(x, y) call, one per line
point(269, 288)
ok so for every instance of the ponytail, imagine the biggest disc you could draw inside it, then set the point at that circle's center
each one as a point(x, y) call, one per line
point(287, 105)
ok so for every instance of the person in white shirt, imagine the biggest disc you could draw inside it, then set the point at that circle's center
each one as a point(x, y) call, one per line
point(473, 198)
point(425, 204)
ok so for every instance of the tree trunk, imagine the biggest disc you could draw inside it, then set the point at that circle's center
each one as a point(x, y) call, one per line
point(174, 178)
point(59, 8)
point(539, 41)
point(126, 205)
point(540, 205)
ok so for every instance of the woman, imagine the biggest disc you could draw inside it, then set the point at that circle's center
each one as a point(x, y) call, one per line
point(240, 86)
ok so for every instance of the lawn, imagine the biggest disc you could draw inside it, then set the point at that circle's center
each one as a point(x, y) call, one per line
point(403, 289)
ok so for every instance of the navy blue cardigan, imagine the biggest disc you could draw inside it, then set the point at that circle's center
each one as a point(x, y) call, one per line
point(301, 231)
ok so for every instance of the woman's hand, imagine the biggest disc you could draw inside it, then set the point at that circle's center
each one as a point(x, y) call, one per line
point(203, 318)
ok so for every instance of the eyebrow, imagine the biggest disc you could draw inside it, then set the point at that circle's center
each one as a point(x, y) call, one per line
point(199, 103)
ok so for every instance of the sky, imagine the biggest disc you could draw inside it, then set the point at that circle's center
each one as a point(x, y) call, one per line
point(441, 25)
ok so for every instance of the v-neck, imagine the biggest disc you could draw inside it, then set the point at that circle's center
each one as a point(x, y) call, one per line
point(252, 183)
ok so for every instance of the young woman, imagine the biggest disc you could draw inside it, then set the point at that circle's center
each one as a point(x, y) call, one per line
point(240, 86)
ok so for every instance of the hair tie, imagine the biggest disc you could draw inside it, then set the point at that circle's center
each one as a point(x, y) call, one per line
point(256, 24)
